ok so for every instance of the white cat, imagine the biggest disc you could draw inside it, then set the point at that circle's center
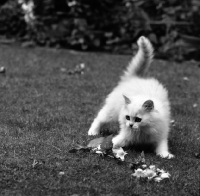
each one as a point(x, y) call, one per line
point(139, 104)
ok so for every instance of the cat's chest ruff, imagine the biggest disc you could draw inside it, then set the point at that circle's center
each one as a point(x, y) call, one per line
point(140, 137)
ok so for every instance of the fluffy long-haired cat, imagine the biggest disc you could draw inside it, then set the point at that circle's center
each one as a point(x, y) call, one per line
point(139, 104)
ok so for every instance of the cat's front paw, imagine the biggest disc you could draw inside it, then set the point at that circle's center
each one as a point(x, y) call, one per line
point(94, 129)
point(92, 132)
point(118, 142)
point(165, 154)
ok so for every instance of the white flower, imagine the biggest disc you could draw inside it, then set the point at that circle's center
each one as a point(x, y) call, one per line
point(82, 65)
point(139, 173)
point(99, 152)
point(72, 3)
point(35, 162)
point(195, 105)
point(20, 1)
point(160, 170)
point(157, 179)
point(149, 173)
point(152, 167)
point(165, 175)
point(119, 153)
point(61, 173)
point(97, 148)
point(172, 121)
point(144, 166)
point(152, 173)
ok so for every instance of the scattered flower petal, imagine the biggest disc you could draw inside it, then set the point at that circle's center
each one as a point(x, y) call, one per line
point(61, 173)
point(197, 155)
point(139, 173)
point(103, 148)
point(62, 69)
point(82, 66)
point(153, 167)
point(72, 3)
point(119, 153)
point(98, 147)
point(195, 105)
point(2, 69)
point(160, 170)
point(35, 162)
point(149, 173)
point(99, 152)
point(172, 122)
point(79, 69)
point(157, 179)
point(144, 166)
point(165, 175)
point(185, 78)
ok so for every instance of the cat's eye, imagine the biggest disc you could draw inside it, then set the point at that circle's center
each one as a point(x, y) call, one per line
point(127, 117)
point(137, 119)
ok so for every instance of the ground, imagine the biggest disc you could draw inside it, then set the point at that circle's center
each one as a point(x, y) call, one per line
point(44, 111)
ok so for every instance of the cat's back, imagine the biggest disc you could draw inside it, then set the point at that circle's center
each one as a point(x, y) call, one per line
point(143, 86)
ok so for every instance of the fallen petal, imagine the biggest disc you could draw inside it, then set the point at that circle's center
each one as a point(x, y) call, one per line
point(139, 173)
point(185, 78)
point(152, 167)
point(2, 69)
point(99, 152)
point(98, 148)
point(157, 179)
point(197, 155)
point(160, 170)
point(62, 69)
point(144, 166)
point(119, 153)
point(149, 173)
point(194, 105)
point(61, 173)
point(82, 65)
point(165, 175)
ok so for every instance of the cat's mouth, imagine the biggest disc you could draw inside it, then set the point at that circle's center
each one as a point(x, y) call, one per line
point(134, 129)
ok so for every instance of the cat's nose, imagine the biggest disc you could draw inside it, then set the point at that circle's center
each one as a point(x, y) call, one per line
point(131, 125)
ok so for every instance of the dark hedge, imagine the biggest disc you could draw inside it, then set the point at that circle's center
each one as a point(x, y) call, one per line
point(108, 25)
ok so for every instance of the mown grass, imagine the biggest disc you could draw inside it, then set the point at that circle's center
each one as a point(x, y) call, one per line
point(44, 112)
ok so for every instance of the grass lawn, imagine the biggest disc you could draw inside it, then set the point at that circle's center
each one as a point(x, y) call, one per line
point(44, 111)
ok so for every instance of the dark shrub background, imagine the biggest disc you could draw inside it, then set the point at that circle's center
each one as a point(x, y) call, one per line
point(173, 26)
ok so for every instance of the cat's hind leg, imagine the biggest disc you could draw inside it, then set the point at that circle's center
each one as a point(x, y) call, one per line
point(105, 115)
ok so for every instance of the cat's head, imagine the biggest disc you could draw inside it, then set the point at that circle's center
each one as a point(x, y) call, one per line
point(137, 112)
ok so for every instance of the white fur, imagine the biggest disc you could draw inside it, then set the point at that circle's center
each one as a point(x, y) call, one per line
point(128, 97)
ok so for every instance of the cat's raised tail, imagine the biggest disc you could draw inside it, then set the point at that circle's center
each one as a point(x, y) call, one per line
point(141, 61)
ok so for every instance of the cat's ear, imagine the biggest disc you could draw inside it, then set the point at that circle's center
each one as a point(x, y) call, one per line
point(127, 100)
point(148, 105)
